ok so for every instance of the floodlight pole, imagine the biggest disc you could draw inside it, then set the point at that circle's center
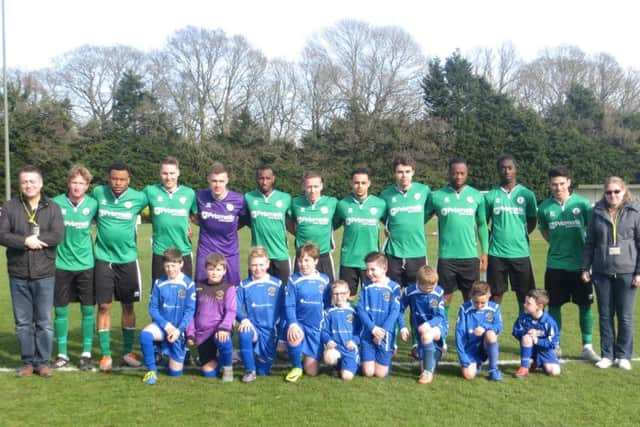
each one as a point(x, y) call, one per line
point(7, 160)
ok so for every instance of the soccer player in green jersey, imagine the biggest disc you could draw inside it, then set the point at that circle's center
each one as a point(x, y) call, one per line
point(563, 220)
point(268, 209)
point(74, 265)
point(170, 206)
point(310, 219)
point(406, 244)
point(117, 272)
point(461, 216)
point(512, 211)
point(360, 213)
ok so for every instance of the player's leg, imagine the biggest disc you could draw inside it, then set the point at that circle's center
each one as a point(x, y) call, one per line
point(384, 356)
point(351, 275)
point(187, 265)
point(348, 364)
point(428, 335)
point(233, 270)
point(295, 336)
point(61, 298)
point(497, 276)
point(491, 346)
point(331, 356)
point(157, 268)
point(411, 267)
point(548, 360)
point(326, 266)
point(448, 281)
point(246, 340)
point(148, 336)
point(582, 295)
point(86, 294)
point(128, 290)
point(311, 366)
point(368, 357)
point(467, 273)
point(207, 353)
point(470, 372)
point(177, 353)
point(104, 278)
point(395, 269)
point(522, 279)
point(225, 357)
point(280, 269)
point(526, 351)
point(558, 295)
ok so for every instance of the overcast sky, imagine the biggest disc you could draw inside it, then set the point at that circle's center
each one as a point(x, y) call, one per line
point(39, 30)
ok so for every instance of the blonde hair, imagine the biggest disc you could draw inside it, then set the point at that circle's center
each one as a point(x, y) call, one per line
point(617, 180)
point(426, 276)
point(339, 284)
point(257, 252)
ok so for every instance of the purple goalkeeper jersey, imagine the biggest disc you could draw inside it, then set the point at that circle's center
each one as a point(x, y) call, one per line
point(219, 224)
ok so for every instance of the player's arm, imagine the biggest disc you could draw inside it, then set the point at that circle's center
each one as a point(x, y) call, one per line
point(325, 332)
point(532, 211)
point(364, 317)
point(496, 324)
point(587, 254)
point(519, 328)
point(390, 322)
point(54, 233)
point(461, 338)
point(429, 208)
point(189, 308)
point(154, 307)
point(404, 303)
point(543, 226)
point(230, 309)
point(7, 237)
point(290, 300)
point(551, 338)
point(291, 225)
point(244, 217)
point(483, 233)
point(241, 313)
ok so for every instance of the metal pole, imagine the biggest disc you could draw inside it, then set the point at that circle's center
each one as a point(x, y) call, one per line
point(7, 160)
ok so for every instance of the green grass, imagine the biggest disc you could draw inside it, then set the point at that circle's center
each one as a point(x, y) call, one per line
point(582, 395)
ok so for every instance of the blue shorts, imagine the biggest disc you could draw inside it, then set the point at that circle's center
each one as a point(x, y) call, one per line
point(381, 354)
point(544, 355)
point(476, 355)
point(311, 343)
point(176, 350)
point(349, 359)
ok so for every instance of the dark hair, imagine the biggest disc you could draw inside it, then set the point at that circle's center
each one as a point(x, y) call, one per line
point(457, 161)
point(377, 257)
point(504, 158)
point(479, 288)
point(404, 159)
point(30, 169)
point(559, 171)
point(119, 166)
point(311, 174)
point(264, 168)
point(171, 255)
point(309, 249)
point(215, 259)
point(540, 296)
point(170, 160)
point(361, 171)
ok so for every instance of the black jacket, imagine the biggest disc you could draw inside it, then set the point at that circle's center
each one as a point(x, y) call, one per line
point(14, 229)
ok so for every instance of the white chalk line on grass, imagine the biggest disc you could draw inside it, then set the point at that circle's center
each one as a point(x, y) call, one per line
point(512, 362)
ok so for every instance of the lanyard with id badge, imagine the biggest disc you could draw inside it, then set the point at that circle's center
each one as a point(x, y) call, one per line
point(614, 249)
point(31, 217)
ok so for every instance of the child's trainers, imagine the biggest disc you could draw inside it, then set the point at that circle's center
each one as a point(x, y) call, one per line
point(130, 360)
point(495, 374)
point(249, 377)
point(106, 364)
point(293, 375)
point(150, 378)
point(425, 377)
point(227, 374)
point(521, 372)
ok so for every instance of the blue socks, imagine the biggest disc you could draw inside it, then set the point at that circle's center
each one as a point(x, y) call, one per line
point(147, 346)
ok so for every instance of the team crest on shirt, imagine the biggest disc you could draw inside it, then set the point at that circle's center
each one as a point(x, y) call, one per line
point(324, 210)
point(393, 199)
point(86, 211)
point(434, 303)
point(349, 318)
point(103, 202)
point(498, 200)
point(446, 199)
point(220, 295)
point(182, 294)
point(470, 199)
point(128, 205)
point(229, 207)
point(488, 316)
point(255, 203)
point(271, 291)
point(160, 198)
point(321, 287)
point(576, 211)
point(350, 210)
point(417, 196)
point(496, 211)
point(552, 214)
point(64, 211)
point(373, 211)
point(279, 204)
point(386, 296)
point(444, 212)
point(302, 210)
point(208, 205)
point(520, 200)
point(182, 200)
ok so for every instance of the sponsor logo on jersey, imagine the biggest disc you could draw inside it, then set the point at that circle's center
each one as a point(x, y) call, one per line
point(128, 204)
point(515, 210)
point(565, 224)
point(220, 295)
point(268, 215)
point(229, 207)
point(81, 225)
point(216, 216)
point(312, 220)
point(118, 215)
point(172, 212)
point(271, 291)
point(406, 209)
point(386, 296)
point(182, 294)
point(86, 211)
point(458, 211)
point(370, 222)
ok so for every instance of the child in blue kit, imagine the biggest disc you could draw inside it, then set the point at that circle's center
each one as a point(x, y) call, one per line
point(172, 306)
point(259, 312)
point(538, 335)
point(378, 309)
point(426, 302)
point(477, 329)
point(306, 296)
point(341, 332)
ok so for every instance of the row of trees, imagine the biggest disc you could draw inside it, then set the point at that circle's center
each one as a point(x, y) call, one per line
point(359, 95)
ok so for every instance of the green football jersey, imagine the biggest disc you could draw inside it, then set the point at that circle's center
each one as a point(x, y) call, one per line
point(566, 226)
point(75, 252)
point(170, 217)
point(460, 216)
point(405, 220)
point(269, 222)
point(116, 224)
point(508, 212)
point(314, 222)
point(361, 220)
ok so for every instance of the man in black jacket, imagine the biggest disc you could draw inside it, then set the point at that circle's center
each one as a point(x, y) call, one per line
point(30, 227)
